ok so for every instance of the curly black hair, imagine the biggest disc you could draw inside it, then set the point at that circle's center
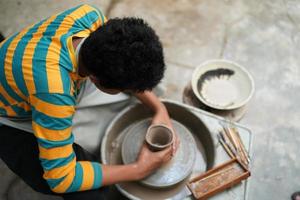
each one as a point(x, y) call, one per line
point(124, 54)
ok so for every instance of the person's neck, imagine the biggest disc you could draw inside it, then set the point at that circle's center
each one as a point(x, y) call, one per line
point(81, 69)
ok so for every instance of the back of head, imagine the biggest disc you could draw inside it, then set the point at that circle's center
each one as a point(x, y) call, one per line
point(124, 54)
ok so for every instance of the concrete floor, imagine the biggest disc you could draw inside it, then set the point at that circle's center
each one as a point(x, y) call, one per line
point(261, 35)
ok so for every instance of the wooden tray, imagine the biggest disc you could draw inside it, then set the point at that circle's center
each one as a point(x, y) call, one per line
point(218, 179)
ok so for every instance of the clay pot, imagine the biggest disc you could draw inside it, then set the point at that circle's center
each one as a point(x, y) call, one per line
point(159, 137)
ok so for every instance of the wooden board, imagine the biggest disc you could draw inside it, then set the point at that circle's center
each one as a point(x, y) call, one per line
point(218, 179)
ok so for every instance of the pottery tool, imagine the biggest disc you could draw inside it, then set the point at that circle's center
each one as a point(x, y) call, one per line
point(244, 151)
point(239, 145)
point(233, 145)
point(230, 153)
point(226, 141)
point(218, 179)
point(229, 173)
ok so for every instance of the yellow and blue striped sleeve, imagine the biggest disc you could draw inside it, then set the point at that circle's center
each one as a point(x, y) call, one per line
point(52, 124)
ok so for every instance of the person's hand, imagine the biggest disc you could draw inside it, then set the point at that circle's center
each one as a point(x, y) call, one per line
point(148, 161)
point(162, 117)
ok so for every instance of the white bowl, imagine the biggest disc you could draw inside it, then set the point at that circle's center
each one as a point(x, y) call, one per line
point(222, 84)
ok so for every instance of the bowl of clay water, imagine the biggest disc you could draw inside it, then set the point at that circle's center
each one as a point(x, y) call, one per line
point(222, 84)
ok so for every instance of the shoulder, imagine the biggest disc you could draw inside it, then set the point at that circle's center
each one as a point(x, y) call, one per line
point(88, 15)
point(87, 9)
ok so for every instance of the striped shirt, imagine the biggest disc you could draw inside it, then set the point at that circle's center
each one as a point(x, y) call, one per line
point(38, 79)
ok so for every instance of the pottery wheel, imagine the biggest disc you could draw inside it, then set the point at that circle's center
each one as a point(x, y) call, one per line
point(172, 172)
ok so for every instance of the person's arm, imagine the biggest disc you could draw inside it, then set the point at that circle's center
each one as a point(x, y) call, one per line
point(161, 115)
point(160, 112)
point(52, 124)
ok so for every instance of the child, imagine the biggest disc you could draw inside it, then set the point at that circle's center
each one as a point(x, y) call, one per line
point(42, 68)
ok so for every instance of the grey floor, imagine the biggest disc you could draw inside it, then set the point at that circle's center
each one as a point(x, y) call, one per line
point(261, 35)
